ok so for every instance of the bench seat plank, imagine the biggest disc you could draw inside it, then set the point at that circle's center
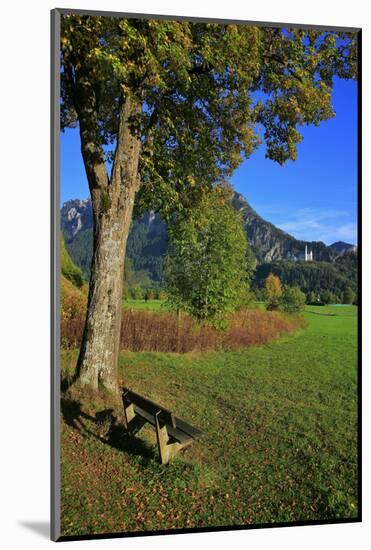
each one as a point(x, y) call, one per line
point(193, 432)
point(151, 419)
point(179, 435)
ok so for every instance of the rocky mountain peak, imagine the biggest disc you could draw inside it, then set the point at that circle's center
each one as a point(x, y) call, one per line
point(76, 215)
point(268, 243)
point(342, 248)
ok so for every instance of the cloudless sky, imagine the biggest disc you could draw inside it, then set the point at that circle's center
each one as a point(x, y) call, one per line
point(313, 198)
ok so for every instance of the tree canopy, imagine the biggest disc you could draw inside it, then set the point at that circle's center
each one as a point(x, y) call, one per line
point(197, 87)
point(348, 295)
point(175, 106)
point(208, 267)
point(292, 300)
point(273, 290)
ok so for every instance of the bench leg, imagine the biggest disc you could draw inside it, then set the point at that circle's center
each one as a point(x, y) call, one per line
point(166, 449)
point(129, 414)
point(162, 439)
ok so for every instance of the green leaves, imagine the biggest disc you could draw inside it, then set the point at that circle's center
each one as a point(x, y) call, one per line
point(196, 84)
point(292, 300)
point(273, 290)
point(208, 267)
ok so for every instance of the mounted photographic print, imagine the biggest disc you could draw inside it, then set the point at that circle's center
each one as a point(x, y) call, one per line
point(205, 297)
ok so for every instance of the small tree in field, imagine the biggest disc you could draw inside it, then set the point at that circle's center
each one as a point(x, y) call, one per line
point(272, 291)
point(292, 300)
point(161, 295)
point(348, 296)
point(312, 298)
point(207, 268)
point(328, 297)
point(137, 293)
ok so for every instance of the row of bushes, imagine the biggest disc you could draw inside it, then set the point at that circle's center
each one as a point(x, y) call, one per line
point(150, 331)
point(324, 297)
point(292, 300)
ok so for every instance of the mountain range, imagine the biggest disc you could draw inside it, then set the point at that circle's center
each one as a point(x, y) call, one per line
point(147, 241)
point(342, 248)
point(271, 244)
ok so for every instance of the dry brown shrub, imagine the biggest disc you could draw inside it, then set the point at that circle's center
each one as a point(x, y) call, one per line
point(153, 331)
point(73, 301)
point(73, 310)
point(253, 327)
point(71, 333)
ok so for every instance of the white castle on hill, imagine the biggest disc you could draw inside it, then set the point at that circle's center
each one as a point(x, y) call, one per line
point(308, 256)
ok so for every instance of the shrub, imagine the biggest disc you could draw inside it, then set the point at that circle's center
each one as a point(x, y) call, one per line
point(272, 291)
point(150, 295)
point(73, 311)
point(71, 333)
point(292, 300)
point(328, 297)
point(73, 301)
point(247, 299)
point(153, 331)
point(161, 295)
point(137, 293)
point(313, 299)
point(348, 296)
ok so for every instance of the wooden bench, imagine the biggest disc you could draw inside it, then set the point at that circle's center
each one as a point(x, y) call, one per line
point(172, 433)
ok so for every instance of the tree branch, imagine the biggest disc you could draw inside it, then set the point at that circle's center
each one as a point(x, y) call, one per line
point(84, 99)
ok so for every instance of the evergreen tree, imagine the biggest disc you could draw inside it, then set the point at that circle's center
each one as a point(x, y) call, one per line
point(348, 296)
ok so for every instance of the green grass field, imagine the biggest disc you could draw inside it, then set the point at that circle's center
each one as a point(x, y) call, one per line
point(280, 442)
point(149, 305)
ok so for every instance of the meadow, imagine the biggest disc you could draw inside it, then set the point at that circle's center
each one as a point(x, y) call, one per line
point(280, 443)
point(149, 305)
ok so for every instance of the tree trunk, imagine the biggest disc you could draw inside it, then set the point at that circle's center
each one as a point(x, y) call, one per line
point(112, 208)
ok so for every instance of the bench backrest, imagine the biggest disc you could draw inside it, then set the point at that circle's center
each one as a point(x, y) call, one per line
point(166, 416)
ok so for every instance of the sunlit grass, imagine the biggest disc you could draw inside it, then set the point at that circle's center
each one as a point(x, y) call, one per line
point(150, 305)
point(280, 445)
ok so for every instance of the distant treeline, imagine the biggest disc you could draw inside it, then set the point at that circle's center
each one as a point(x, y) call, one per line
point(315, 277)
point(147, 247)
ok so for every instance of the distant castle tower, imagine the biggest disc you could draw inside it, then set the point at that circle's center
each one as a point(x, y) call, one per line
point(308, 256)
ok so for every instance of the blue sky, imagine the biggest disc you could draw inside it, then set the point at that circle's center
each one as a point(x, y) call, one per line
point(313, 198)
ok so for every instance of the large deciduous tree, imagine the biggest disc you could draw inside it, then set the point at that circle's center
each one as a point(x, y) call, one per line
point(171, 105)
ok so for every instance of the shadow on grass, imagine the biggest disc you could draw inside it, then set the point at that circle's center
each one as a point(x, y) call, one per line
point(106, 428)
point(323, 314)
